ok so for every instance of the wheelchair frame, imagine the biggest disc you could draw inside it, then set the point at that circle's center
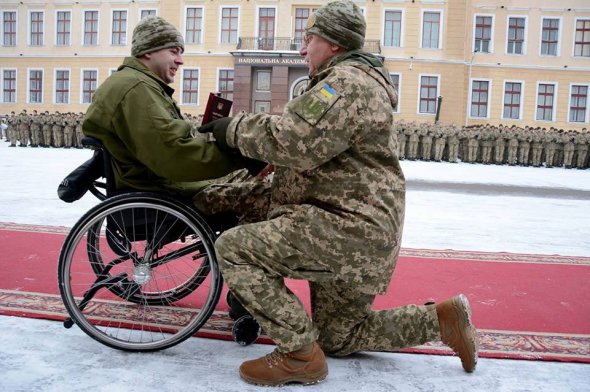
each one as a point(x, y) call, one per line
point(138, 271)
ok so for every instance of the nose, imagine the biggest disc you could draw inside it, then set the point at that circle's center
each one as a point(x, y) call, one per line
point(179, 59)
point(303, 49)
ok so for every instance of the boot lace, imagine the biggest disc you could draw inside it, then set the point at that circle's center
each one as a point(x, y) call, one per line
point(274, 358)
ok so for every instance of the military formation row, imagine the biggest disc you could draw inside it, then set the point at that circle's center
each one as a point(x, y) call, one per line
point(491, 144)
point(51, 129)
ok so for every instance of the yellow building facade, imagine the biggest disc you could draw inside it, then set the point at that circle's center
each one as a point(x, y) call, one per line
point(516, 62)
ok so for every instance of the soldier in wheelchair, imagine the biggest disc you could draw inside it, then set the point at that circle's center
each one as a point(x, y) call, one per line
point(147, 232)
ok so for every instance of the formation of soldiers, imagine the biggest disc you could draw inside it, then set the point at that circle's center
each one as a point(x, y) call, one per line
point(490, 144)
point(44, 129)
point(487, 144)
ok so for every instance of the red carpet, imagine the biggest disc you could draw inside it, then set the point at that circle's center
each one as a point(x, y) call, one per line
point(525, 306)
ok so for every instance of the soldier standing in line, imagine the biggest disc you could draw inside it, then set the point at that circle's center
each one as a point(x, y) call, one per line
point(23, 128)
point(414, 140)
point(537, 146)
point(11, 131)
point(487, 144)
point(558, 159)
point(401, 138)
point(68, 130)
point(439, 142)
point(57, 130)
point(524, 146)
point(47, 129)
point(35, 130)
point(568, 148)
point(550, 139)
point(499, 145)
point(426, 139)
point(78, 130)
point(582, 140)
point(453, 143)
point(473, 145)
point(512, 145)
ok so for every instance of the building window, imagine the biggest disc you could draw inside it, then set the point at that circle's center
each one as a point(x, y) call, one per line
point(428, 94)
point(62, 86)
point(512, 98)
point(190, 86)
point(9, 86)
point(90, 28)
point(549, 37)
point(194, 25)
point(479, 98)
point(89, 78)
point(64, 22)
point(545, 101)
point(393, 29)
point(301, 17)
point(516, 35)
point(119, 34)
point(266, 28)
point(262, 107)
point(36, 28)
point(147, 13)
point(582, 41)
point(431, 30)
point(226, 83)
point(263, 80)
point(9, 28)
point(395, 80)
point(483, 34)
point(578, 103)
point(35, 86)
point(229, 25)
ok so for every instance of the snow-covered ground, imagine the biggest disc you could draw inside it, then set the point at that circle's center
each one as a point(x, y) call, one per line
point(449, 206)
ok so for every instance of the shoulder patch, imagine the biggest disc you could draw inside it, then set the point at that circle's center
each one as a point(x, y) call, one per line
point(314, 104)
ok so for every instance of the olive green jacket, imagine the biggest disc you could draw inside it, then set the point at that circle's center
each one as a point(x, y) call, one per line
point(136, 118)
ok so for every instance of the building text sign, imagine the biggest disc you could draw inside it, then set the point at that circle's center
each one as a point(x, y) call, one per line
point(270, 61)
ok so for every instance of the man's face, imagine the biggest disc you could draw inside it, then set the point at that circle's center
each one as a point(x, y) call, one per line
point(317, 51)
point(164, 63)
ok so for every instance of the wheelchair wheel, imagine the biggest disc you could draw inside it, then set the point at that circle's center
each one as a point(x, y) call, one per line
point(138, 272)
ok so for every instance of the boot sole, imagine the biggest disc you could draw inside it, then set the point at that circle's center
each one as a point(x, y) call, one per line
point(308, 379)
point(463, 310)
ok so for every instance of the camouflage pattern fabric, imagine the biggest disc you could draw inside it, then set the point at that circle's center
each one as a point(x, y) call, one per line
point(340, 22)
point(154, 33)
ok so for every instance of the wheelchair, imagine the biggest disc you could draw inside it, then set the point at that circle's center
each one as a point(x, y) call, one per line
point(138, 271)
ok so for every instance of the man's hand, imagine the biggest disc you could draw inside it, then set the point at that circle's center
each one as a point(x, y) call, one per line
point(219, 129)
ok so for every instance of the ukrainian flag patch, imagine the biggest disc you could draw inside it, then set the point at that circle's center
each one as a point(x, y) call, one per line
point(328, 92)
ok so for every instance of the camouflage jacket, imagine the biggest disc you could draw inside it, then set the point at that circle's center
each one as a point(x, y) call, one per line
point(337, 170)
point(136, 118)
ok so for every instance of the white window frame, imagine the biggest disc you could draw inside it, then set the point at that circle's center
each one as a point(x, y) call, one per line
point(82, 84)
point(520, 104)
point(219, 69)
point(198, 69)
point(257, 21)
point(55, 70)
point(2, 28)
point(525, 38)
point(554, 107)
point(55, 24)
point(221, 8)
point(126, 38)
point(402, 27)
point(202, 24)
point(82, 31)
point(559, 33)
point(29, 32)
point(2, 84)
point(440, 27)
point(437, 93)
point(492, 32)
point(569, 104)
point(469, 101)
point(399, 90)
point(574, 36)
point(146, 9)
point(28, 92)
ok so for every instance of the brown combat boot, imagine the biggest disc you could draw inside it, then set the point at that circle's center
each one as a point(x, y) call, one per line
point(457, 331)
point(304, 366)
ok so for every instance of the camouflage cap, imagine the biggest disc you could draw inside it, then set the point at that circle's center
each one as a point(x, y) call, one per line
point(340, 22)
point(154, 33)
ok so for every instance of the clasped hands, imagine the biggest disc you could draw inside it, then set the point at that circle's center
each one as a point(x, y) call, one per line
point(219, 130)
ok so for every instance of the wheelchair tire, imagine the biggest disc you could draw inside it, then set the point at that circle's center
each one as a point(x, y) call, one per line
point(157, 293)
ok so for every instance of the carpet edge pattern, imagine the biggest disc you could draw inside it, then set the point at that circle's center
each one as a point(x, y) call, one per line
point(493, 343)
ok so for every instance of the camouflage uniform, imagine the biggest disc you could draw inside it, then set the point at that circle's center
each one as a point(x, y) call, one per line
point(413, 142)
point(524, 146)
point(537, 147)
point(487, 145)
point(426, 142)
point(568, 149)
point(499, 145)
point(512, 145)
point(335, 216)
point(473, 145)
point(582, 140)
point(69, 124)
point(78, 130)
point(36, 136)
point(439, 143)
point(401, 138)
point(550, 139)
point(453, 142)
point(46, 129)
point(11, 131)
point(57, 130)
point(23, 128)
